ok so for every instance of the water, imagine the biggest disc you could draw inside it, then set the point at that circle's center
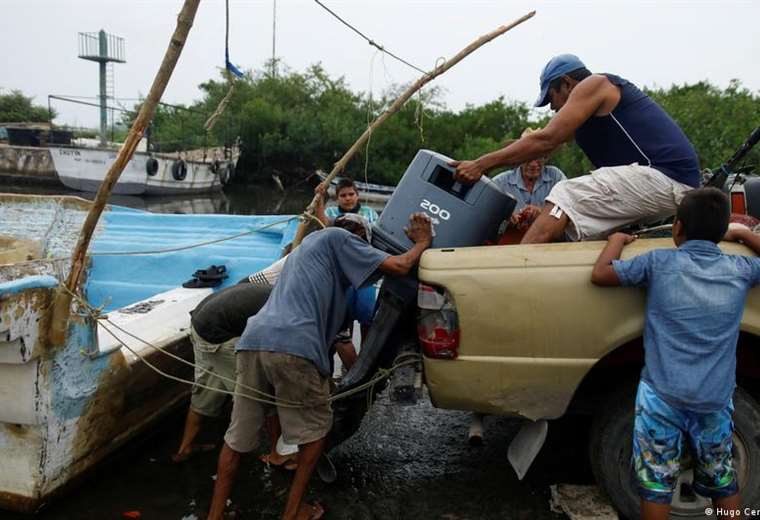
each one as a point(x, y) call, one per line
point(235, 200)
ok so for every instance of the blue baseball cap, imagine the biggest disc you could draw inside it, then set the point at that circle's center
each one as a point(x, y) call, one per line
point(558, 66)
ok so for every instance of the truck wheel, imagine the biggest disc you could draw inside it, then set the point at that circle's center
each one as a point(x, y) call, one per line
point(610, 451)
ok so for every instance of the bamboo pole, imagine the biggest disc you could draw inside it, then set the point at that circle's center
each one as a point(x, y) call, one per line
point(62, 303)
point(396, 106)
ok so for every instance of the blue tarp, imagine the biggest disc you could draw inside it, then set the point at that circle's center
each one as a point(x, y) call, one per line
point(116, 281)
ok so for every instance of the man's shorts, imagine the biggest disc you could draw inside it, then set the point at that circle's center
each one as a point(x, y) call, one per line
point(660, 433)
point(218, 360)
point(612, 198)
point(292, 380)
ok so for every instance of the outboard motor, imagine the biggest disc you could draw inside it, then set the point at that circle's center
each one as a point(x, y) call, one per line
point(462, 214)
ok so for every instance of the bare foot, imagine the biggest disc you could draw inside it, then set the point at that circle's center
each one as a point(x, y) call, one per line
point(313, 511)
point(194, 449)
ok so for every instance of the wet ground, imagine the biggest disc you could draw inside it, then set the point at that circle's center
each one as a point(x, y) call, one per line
point(404, 463)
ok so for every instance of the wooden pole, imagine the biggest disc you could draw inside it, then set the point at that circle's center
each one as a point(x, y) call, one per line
point(396, 106)
point(62, 303)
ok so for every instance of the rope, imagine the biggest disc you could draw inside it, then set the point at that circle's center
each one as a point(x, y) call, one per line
point(369, 40)
point(230, 71)
point(306, 215)
point(654, 229)
point(265, 398)
point(211, 121)
point(191, 246)
point(99, 318)
point(168, 250)
point(369, 125)
point(274, 38)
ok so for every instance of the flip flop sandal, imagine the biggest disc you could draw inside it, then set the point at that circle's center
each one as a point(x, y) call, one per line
point(326, 469)
point(288, 463)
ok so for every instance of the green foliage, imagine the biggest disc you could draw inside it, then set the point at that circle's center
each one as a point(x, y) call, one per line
point(716, 121)
point(298, 122)
point(18, 108)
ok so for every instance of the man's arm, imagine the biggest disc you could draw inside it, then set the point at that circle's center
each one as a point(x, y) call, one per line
point(745, 236)
point(584, 101)
point(604, 274)
point(420, 232)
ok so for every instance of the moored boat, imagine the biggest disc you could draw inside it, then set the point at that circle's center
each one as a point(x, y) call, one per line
point(84, 169)
point(64, 408)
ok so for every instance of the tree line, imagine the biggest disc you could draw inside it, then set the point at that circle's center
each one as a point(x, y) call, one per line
point(297, 122)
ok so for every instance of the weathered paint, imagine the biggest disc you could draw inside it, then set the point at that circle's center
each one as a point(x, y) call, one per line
point(14, 250)
point(27, 163)
point(74, 377)
point(64, 409)
point(30, 282)
point(22, 319)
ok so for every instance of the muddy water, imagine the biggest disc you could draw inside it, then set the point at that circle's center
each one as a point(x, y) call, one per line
point(404, 463)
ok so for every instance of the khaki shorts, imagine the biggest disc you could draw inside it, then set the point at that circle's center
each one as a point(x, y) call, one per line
point(219, 360)
point(615, 197)
point(289, 378)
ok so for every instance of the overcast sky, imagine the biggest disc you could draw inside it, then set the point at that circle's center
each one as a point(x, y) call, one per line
point(652, 43)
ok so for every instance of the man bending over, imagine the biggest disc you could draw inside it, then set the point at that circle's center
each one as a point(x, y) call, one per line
point(284, 350)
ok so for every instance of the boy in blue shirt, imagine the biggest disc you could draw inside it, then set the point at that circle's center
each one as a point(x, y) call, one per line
point(348, 202)
point(695, 301)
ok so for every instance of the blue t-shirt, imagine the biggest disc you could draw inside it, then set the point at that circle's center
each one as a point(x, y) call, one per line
point(369, 214)
point(695, 301)
point(309, 303)
point(511, 182)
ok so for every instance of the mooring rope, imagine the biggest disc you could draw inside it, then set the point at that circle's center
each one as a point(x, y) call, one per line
point(231, 72)
point(264, 397)
point(173, 249)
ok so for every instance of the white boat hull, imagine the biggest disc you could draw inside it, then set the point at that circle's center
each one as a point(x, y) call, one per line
point(63, 408)
point(63, 412)
point(84, 169)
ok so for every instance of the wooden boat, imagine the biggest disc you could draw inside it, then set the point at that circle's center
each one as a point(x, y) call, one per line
point(84, 169)
point(63, 409)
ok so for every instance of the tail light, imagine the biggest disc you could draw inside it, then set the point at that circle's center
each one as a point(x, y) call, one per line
point(738, 202)
point(438, 325)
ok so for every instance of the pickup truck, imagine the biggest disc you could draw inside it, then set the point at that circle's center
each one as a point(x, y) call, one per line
point(521, 331)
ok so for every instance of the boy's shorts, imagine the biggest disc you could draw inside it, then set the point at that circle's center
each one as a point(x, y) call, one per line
point(660, 433)
point(293, 380)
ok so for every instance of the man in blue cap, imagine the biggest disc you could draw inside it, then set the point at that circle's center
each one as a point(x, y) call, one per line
point(644, 162)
